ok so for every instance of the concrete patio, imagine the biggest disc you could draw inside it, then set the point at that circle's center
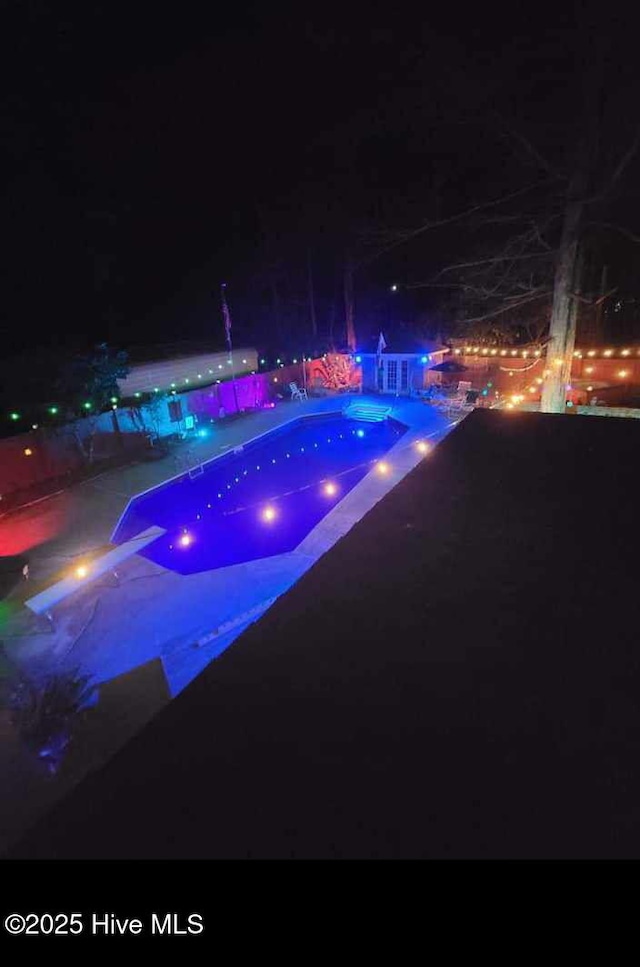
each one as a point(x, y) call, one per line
point(153, 618)
point(108, 628)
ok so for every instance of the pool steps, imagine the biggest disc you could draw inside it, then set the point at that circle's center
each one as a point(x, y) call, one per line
point(368, 412)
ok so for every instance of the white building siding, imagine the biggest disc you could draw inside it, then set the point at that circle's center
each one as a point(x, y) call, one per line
point(187, 372)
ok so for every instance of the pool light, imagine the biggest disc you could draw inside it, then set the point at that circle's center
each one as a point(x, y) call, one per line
point(382, 467)
point(81, 571)
point(330, 489)
point(422, 447)
point(185, 540)
point(269, 514)
point(360, 433)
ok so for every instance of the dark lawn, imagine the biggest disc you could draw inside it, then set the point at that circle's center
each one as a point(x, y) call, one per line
point(458, 677)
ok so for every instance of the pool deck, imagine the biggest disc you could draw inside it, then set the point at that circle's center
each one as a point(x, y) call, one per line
point(156, 618)
point(108, 628)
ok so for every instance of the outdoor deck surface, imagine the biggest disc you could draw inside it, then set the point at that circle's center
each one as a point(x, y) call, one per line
point(458, 677)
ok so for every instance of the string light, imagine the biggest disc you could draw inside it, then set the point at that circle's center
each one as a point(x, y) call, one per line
point(28, 451)
point(14, 416)
point(622, 373)
point(608, 352)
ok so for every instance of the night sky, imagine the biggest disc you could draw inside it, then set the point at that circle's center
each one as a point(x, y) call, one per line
point(152, 154)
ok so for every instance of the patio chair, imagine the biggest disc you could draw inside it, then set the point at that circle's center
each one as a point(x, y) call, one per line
point(297, 393)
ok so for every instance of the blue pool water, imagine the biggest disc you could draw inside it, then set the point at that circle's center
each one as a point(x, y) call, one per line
point(261, 501)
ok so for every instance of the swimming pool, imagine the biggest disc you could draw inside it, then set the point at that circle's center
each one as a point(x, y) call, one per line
point(261, 499)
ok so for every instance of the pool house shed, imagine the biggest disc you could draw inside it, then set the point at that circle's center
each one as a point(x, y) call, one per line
point(402, 367)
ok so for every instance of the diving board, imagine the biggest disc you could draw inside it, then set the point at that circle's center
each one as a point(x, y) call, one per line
point(43, 602)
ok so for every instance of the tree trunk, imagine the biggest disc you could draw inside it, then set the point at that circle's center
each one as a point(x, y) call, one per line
point(275, 297)
point(562, 330)
point(349, 311)
point(312, 301)
point(332, 319)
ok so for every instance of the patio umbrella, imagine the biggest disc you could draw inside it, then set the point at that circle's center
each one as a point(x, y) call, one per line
point(450, 370)
point(449, 366)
